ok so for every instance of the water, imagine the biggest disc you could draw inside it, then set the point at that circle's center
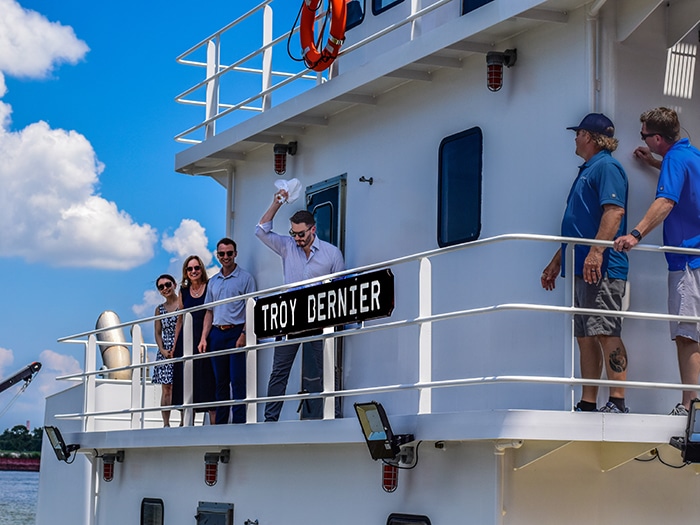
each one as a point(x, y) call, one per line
point(18, 497)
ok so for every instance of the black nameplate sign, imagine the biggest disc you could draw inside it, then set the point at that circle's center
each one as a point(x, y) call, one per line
point(348, 300)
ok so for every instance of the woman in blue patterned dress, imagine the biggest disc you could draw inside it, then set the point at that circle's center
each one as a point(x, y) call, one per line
point(165, 338)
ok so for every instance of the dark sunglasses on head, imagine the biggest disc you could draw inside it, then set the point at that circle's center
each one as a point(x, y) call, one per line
point(194, 268)
point(225, 254)
point(166, 284)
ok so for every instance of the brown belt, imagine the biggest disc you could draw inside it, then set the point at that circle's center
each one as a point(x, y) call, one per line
point(225, 326)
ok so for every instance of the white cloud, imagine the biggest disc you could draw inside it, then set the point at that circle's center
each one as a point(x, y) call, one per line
point(49, 209)
point(6, 359)
point(151, 299)
point(49, 206)
point(53, 365)
point(30, 45)
point(30, 404)
point(189, 239)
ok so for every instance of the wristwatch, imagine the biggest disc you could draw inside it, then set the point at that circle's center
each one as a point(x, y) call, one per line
point(635, 233)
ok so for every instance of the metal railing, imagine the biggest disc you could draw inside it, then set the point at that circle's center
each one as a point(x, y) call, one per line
point(424, 321)
point(215, 110)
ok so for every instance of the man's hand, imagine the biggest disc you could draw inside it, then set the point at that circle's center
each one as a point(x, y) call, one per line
point(549, 275)
point(591, 267)
point(644, 154)
point(625, 243)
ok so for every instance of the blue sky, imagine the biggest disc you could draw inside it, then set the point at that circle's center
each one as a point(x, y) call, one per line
point(91, 209)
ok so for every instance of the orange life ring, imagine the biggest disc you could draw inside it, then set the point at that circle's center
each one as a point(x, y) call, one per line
point(315, 59)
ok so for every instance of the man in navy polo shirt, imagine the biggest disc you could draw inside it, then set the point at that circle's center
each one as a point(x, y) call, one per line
point(677, 205)
point(595, 209)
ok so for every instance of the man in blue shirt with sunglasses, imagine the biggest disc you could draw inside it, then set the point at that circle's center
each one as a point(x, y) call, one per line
point(304, 256)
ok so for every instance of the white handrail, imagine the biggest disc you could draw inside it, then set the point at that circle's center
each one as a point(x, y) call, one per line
point(425, 319)
point(267, 88)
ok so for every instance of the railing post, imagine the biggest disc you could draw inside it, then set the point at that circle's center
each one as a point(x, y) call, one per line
point(571, 269)
point(212, 102)
point(187, 368)
point(328, 374)
point(425, 337)
point(416, 24)
point(137, 375)
point(267, 57)
point(89, 382)
point(251, 385)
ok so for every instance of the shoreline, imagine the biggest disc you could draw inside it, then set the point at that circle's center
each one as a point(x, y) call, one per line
point(20, 464)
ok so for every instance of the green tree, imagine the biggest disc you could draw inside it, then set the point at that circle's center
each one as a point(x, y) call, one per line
point(19, 439)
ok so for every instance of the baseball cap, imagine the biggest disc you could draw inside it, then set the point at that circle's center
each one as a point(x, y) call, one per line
point(597, 123)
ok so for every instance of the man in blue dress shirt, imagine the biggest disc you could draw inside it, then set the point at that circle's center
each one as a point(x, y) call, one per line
point(304, 256)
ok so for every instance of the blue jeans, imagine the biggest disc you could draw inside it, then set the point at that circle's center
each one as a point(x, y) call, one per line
point(282, 366)
point(229, 373)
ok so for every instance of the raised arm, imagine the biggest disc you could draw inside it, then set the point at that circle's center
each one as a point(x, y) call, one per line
point(279, 199)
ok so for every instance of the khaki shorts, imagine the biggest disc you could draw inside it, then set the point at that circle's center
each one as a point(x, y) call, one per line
point(606, 295)
point(684, 299)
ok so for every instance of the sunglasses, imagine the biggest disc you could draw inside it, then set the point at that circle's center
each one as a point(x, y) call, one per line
point(194, 268)
point(647, 135)
point(166, 284)
point(226, 254)
point(300, 234)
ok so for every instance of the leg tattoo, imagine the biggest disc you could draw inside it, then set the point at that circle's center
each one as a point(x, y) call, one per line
point(618, 360)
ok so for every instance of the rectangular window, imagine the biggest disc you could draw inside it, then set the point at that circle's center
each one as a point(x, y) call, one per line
point(407, 519)
point(459, 187)
point(355, 13)
point(469, 5)
point(212, 513)
point(379, 6)
point(151, 511)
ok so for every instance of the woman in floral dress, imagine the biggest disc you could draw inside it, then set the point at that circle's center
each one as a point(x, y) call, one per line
point(165, 338)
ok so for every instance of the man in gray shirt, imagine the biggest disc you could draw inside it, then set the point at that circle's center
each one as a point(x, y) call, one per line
point(304, 256)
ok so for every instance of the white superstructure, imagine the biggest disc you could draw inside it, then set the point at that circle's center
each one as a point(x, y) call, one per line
point(476, 360)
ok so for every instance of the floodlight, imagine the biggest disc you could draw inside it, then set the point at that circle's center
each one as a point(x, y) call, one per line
point(689, 444)
point(381, 440)
point(59, 446)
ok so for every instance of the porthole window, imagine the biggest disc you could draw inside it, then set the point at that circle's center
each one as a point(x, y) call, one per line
point(459, 187)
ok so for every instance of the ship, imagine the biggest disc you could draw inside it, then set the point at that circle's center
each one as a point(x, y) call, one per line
point(430, 141)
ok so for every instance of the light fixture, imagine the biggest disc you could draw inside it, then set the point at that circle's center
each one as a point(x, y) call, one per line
point(495, 60)
point(281, 151)
point(395, 450)
point(689, 444)
point(390, 477)
point(211, 465)
point(59, 446)
point(108, 464)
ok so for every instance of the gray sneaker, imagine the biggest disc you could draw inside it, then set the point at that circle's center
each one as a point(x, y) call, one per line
point(679, 410)
point(611, 408)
